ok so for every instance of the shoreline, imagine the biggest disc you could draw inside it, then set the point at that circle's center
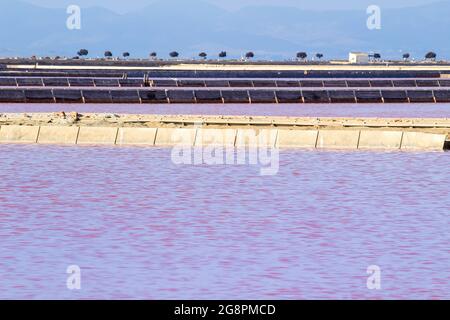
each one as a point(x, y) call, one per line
point(239, 67)
point(120, 119)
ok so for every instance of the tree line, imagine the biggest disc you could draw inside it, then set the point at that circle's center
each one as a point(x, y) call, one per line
point(249, 55)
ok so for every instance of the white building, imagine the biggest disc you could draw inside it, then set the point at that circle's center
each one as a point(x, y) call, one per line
point(358, 57)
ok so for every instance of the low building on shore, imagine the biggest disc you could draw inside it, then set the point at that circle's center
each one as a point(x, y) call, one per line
point(358, 57)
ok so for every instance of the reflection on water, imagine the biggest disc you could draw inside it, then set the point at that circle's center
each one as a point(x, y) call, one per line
point(430, 110)
point(142, 227)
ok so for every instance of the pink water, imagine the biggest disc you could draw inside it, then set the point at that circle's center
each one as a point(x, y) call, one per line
point(430, 110)
point(141, 227)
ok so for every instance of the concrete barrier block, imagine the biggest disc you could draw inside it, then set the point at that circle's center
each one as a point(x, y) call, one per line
point(81, 82)
point(423, 74)
point(174, 74)
point(8, 82)
point(427, 83)
point(12, 95)
point(175, 136)
point(19, 134)
point(217, 83)
point(338, 139)
point(135, 83)
point(39, 95)
point(394, 96)
point(125, 96)
point(191, 83)
point(153, 96)
point(97, 135)
point(106, 82)
point(264, 83)
point(404, 83)
point(30, 82)
point(368, 96)
point(181, 96)
point(381, 83)
point(444, 83)
point(420, 95)
point(68, 95)
point(256, 137)
point(262, 96)
point(422, 140)
point(342, 96)
point(374, 139)
point(97, 96)
point(335, 83)
point(358, 83)
point(208, 96)
point(240, 83)
point(297, 138)
point(289, 96)
point(56, 82)
point(288, 83)
point(164, 83)
point(311, 83)
point(216, 137)
point(235, 96)
point(58, 135)
point(136, 136)
point(315, 96)
point(442, 95)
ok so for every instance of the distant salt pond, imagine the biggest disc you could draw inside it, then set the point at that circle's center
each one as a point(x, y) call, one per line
point(300, 110)
point(139, 226)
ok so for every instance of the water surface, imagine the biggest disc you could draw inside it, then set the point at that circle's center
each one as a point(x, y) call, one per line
point(431, 110)
point(140, 226)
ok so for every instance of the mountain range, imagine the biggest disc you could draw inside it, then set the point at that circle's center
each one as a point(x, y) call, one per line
point(272, 32)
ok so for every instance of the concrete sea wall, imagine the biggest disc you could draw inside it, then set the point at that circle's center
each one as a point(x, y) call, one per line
point(239, 137)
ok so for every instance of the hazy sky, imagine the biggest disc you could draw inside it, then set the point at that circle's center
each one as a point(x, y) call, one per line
point(130, 5)
point(186, 26)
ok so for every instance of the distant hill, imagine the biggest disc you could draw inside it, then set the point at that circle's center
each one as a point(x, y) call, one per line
point(272, 32)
